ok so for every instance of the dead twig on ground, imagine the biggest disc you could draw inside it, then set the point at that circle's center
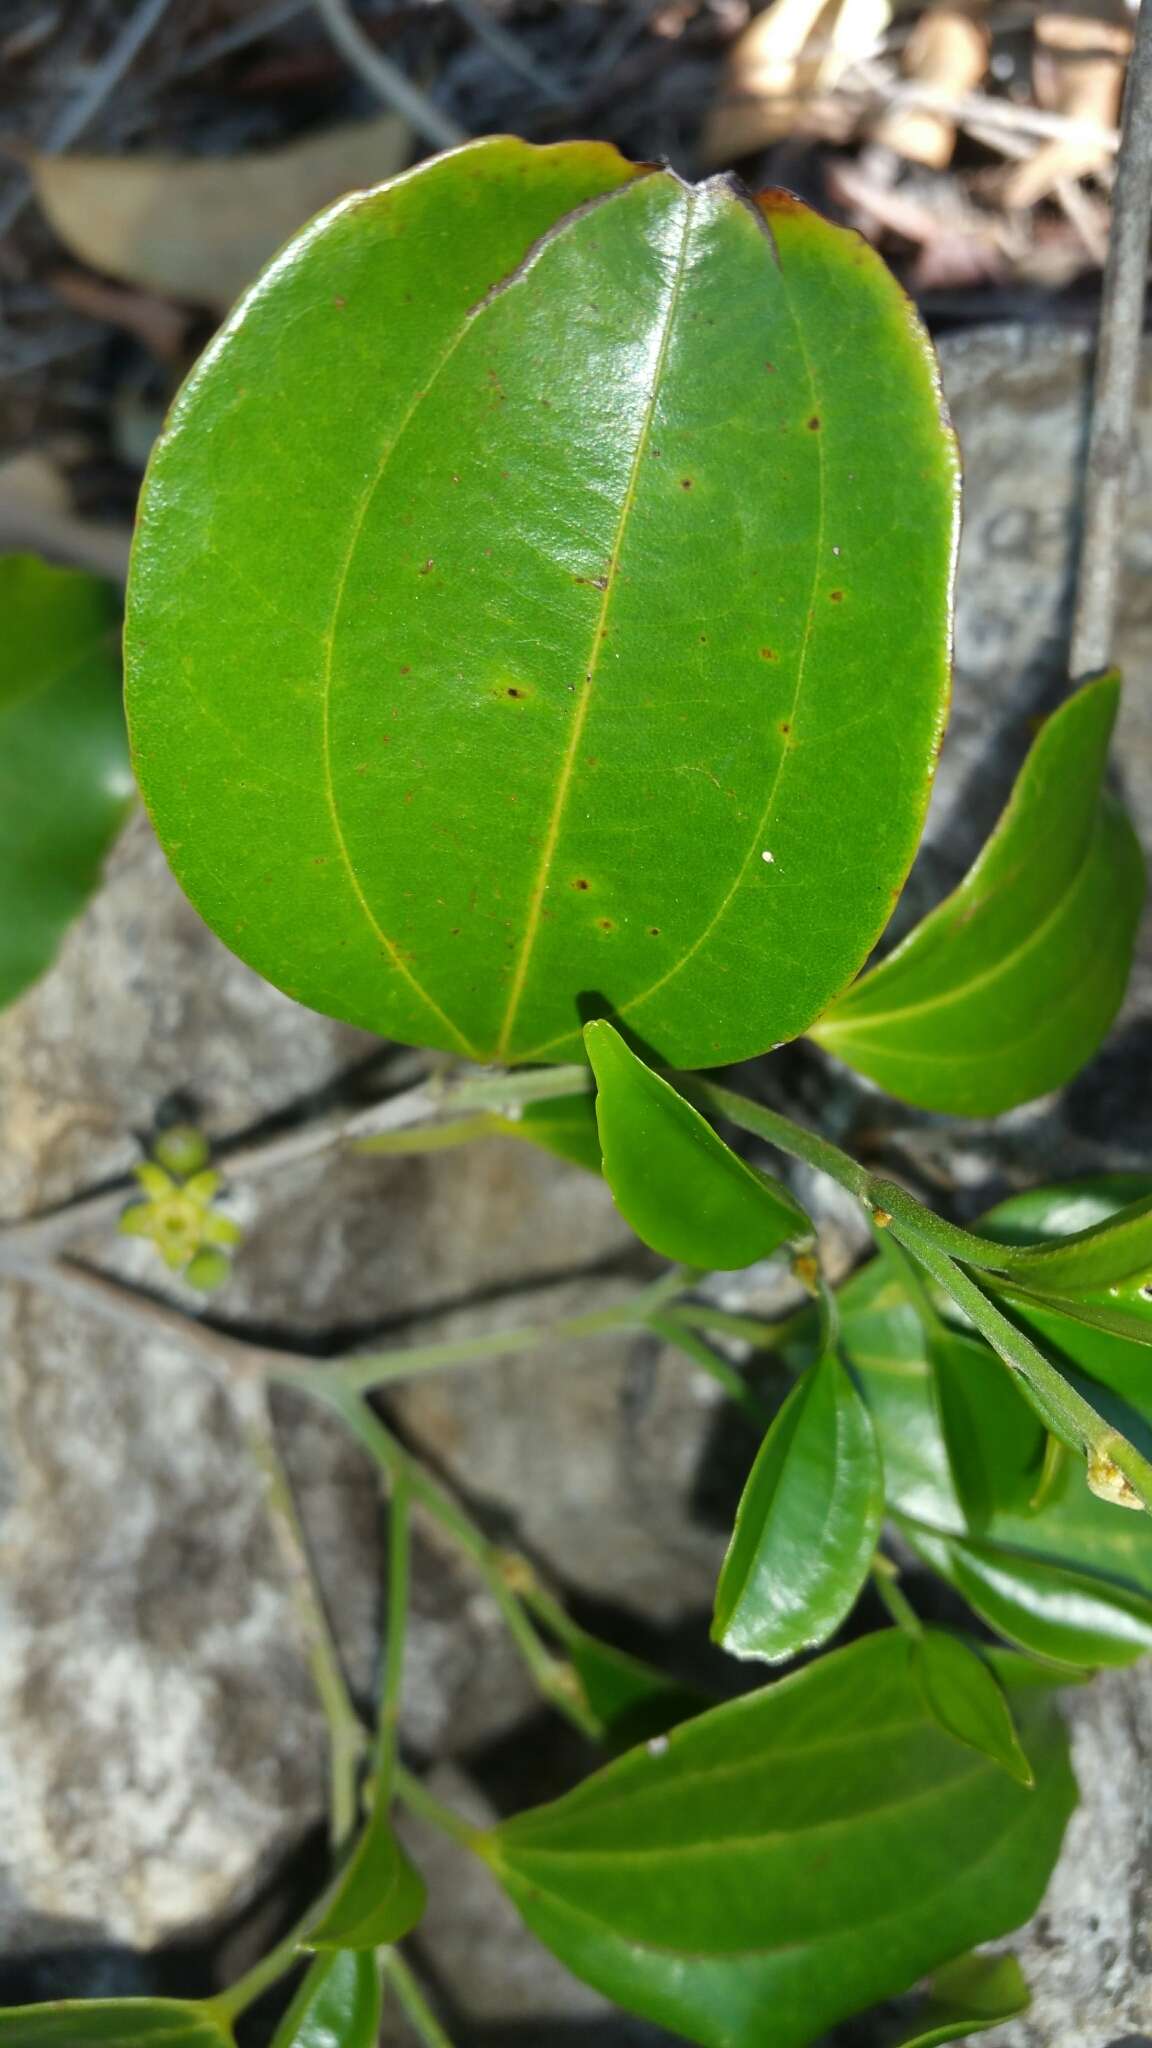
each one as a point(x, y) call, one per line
point(1117, 369)
point(386, 79)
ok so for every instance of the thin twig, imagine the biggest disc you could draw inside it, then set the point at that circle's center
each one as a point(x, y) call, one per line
point(48, 1231)
point(101, 82)
point(412, 2000)
point(395, 1637)
point(1117, 370)
point(511, 52)
point(346, 1735)
point(554, 1679)
point(386, 79)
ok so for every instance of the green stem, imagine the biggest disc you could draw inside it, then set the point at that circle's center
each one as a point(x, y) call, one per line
point(417, 1798)
point(669, 1326)
point(763, 1336)
point(911, 1280)
point(346, 1735)
point(412, 1138)
point(554, 1679)
point(228, 2005)
point(886, 1196)
point(396, 1635)
point(411, 1999)
point(886, 1579)
point(361, 1374)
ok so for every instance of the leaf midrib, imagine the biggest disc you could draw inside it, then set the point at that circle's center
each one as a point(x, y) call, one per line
point(634, 1003)
point(584, 697)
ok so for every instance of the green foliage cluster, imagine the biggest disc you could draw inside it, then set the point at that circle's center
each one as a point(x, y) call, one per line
point(538, 651)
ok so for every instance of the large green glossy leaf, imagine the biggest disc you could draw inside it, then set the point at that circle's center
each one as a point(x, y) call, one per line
point(1008, 987)
point(113, 2023)
point(967, 1699)
point(787, 1859)
point(683, 1190)
point(520, 626)
point(380, 1897)
point(807, 1524)
point(337, 2005)
point(967, 1997)
point(1071, 1617)
point(64, 776)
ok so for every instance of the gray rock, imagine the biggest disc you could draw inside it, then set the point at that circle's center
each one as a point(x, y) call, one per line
point(160, 1749)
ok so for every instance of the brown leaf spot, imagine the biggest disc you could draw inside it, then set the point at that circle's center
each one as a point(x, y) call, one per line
point(814, 424)
point(835, 597)
point(580, 883)
point(769, 654)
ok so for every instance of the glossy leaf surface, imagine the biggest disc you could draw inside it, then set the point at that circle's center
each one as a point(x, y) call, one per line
point(64, 776)
point(967, 1997)
point(381, 1895)
point(800, 1852)
point(1047, 1608)
point(113, 2023)
point(995, 1441)
point(683, 1190)
point(1008, 987)
point(881, 1334)
point(807, 1524)
point(506, 634)
point(337, 2006)
point(967, 1699)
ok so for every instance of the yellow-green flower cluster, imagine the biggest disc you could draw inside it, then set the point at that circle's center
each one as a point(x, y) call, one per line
point(179, 1214)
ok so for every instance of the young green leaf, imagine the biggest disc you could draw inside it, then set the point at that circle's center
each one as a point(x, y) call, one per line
point(967, 1997)
point(967, 1699)
point(1008, 987)
point(64, 776)
point(380, 1897)
point(552, 613)
point(798, 1853)
point(683, 1190)
point(337, 2005)
point(995, 1441)
point(632, 1700)
point(113, 2023)
point(1071, 1617)
point(807, 1524)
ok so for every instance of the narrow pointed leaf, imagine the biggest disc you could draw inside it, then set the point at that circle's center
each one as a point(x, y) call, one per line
point(995, 1441)
point(64, 776)
point(683, 1190)
point(537, 641)
point(114, 2023)
point(798, 1854)
point(337, 2006)
point(967, 1699)
point(1071, 1617)
point(381, 1895)
point(807, 1525)
point(967, 1997)
point(1118, 1249)
point(1008, 987)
